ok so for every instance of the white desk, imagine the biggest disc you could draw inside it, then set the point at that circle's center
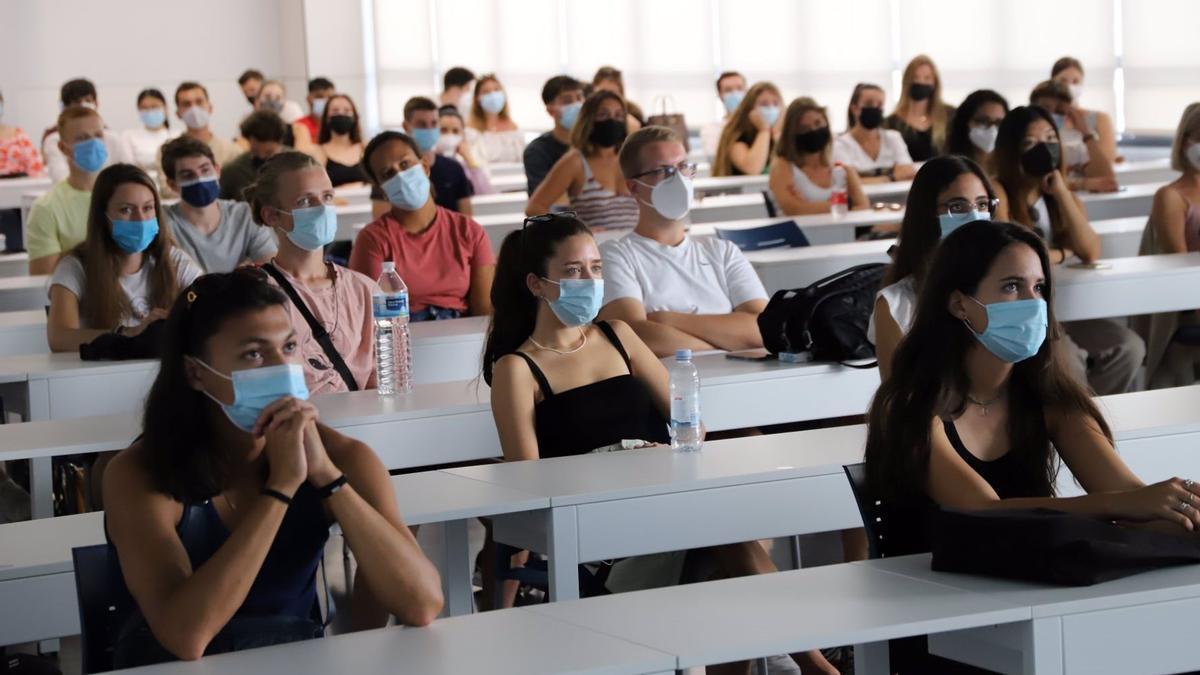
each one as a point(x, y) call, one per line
point(509, 642)
point(11, 190)
point(14, 264)
point(1129, 201)
point(23, 333)
point(1138, 285)
point(510, 183)
point(19, 293)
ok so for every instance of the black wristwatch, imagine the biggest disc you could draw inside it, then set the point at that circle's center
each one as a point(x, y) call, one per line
point(328, 490)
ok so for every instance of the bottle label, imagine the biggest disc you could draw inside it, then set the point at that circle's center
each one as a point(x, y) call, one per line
point(685, 411)
point(390, 305)
point(837, 197)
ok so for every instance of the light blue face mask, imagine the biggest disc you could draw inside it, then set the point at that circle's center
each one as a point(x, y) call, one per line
point(1015, 330)
point(153, 118)
point(1059, 120)
point(770, 114)
point(133, 236)
point(313, 227)
point(90, 155)
point(578, 300)
point(409, 189)
point(256, 388)
point(318, 107)
point(952, 221)
point(426, 138)
point(731, 100)
point(569, 113)
point(492, 102)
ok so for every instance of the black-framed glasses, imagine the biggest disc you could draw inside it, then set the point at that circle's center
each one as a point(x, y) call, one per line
point(685, 168)
point(961, 206)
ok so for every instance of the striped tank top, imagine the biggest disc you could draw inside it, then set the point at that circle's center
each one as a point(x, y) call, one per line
point(601, 208)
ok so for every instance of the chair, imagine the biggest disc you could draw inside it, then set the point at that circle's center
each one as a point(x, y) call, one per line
point(777, 235)
point(536, 574)
point(103, 604)
point(870, 509)
point(769, 202)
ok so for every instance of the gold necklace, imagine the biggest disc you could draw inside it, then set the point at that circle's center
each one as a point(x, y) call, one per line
point(582, 344)
point(983, 405)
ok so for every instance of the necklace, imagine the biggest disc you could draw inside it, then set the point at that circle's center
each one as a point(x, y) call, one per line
point(582, 344)
point(983, 405)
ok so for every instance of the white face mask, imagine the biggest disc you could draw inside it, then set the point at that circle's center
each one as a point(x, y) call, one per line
point(984, 138)
point(1193, 155)
point(672, 198)
point(447, 144)
point(1076, 91)
point(195, 117)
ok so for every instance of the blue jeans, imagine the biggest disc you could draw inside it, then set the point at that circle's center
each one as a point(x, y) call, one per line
point(432, 313)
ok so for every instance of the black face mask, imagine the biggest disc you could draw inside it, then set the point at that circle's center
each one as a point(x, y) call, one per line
point(607, 133)
point(257, 162)
point(1041, 159)
point(340, 124)
point(870, 118)
point(920, 92)
point(813, 141)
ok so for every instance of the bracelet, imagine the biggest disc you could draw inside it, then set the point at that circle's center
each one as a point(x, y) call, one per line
point(276, 494)
point(328, 490)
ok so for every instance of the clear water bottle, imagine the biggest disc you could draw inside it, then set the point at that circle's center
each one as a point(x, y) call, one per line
point(839, 202)
point(393, 358)
point(685, 403)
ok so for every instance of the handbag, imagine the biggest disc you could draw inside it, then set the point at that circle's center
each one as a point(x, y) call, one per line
point(829, 318)
point(318, 330)
point(1054, 547)
point(672, 120)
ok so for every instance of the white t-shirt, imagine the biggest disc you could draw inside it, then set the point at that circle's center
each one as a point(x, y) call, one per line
point(56, 161)
point(144, 144)
point(892, 151)
point(699, 276)
point(502, 147)
point(70, 275)
point(901, 298)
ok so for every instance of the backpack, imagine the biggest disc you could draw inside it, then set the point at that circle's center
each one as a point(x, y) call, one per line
point(829, 318)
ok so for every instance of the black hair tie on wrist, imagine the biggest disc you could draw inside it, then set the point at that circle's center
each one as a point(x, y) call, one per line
point(276, 494)
point(328, 490)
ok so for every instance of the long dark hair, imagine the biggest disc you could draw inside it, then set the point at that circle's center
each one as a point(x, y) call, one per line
point(920, 231)
point(1006, 159)
point(958, 142)
point(153, 93)
point(179, 449)
point(928, 380)
point(326, 133)
point(514, 308)
point(859, 89)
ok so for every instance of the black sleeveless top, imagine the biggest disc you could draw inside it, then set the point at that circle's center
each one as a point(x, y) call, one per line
point(340, 174)
point(579, 420)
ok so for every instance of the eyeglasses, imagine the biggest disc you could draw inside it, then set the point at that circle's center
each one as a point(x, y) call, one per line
point(548, 218)
point(961, 206)
point(685, 168)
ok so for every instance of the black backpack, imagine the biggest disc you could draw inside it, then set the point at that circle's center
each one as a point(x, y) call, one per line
point(828, 319)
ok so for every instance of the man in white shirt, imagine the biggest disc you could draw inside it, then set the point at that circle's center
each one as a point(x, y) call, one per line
point(731, 89)
point(81, 92)
point(675, 291)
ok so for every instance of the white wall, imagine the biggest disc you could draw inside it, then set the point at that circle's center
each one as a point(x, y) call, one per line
point(125, 46)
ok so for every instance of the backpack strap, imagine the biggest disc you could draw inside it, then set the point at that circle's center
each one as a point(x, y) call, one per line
point(318, 330)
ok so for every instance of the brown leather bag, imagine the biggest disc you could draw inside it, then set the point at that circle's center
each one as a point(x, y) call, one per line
point(672, 120)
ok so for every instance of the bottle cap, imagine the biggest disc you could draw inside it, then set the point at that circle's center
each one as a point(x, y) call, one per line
point(683, 355)
point(389, 266)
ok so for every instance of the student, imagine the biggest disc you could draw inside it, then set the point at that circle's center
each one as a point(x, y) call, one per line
point(265, 134)
point(251, 82)
point(802, 177)
point(444, 257)
point(563, 383)
point(563, 97)
point(457, 89)
point(980, 406)
point(58, 219)
point(731, 89)
point(80, 93)
point(1174, 227)
point(18, 155)
point(677, 292)
point(144, 141)
point(1032, 187)
point(608, 78)
point(272, 97)
point(878, 155)
point(452, 144)
point(750, 134)
point(500, 139)
point(293, 195)
point(219, 234)
point(589, 176)
point(1069, 71)
point(1088, 166)
point(319, 91)
point(921, 116)
point(192, 105)
point(947, 193)
point(975, 125)
point(340, 142)
point(452, 189)
point(125, 274)
point(220, 512)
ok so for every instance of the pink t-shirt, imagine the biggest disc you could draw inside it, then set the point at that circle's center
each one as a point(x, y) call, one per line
point(435, 264)
point(344, 309)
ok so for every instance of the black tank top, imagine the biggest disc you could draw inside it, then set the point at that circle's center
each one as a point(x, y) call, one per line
point(579, 420)
point(340, 174)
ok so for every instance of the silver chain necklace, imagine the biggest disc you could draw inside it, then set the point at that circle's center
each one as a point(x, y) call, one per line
point(983, 405)
point(582, 344)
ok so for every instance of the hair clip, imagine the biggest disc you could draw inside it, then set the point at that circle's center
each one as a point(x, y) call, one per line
point(191, 297)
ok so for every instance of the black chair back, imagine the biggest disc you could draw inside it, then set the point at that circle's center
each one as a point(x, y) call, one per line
point(871, 509)
point(103, 604)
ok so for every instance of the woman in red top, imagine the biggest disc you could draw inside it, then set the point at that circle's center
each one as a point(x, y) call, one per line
point(18, 154)
point(443, 256)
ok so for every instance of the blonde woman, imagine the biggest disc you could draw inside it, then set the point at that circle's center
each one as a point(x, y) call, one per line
point(921, 116)
point(499, 138)
point(749, 137)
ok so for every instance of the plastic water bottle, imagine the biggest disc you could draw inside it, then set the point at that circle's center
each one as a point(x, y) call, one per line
point(839, 203)
point(685, 403)
point(393, 359)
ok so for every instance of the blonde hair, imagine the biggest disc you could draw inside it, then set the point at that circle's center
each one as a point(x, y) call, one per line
point(1189, 123)
point(739, 125)
point(478, 119)
point(264, 191)
point(630, 157)
point(938, 111)
point(71, 113)
point(786, 148)
point(581, 132)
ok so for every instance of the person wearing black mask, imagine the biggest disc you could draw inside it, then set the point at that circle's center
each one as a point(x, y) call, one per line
point(340, 144)
point(265, 132)
point(921, 116)
point(589, 175)
point(879, 155)
point(1032, 188)
point(801, 179)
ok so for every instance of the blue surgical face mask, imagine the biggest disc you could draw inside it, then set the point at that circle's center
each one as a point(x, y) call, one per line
point(90, 155)
point(568, 114)
point(409, 189)
point(133, 236)
point(578, 300)
point(770, 114)
point(256, 388)
point(1059, 120)
point(1015, 330)
point(153, 118)
point(426, 138)
point(200, 192)
point(318, 107)
point(732, 99)
point(313, 227)
point(492, 102)
point(952, 221)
